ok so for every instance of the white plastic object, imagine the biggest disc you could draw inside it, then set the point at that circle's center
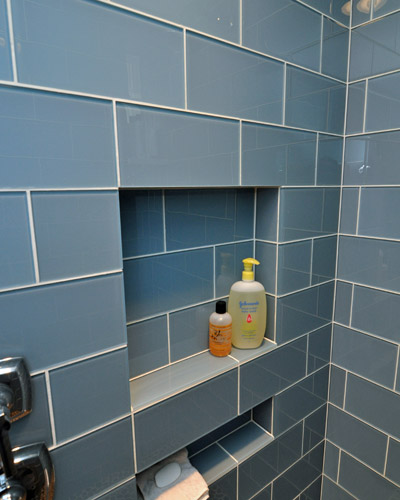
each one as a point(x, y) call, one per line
point(167, 475)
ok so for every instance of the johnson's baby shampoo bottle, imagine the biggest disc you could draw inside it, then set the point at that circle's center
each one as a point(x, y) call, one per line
point(248, 308)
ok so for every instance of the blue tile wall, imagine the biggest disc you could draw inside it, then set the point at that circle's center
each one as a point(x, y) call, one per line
point(331, 460)
point(334, 49)
point(349, 208)
point(331, 8)
point(5, 54)
point(267, 214)
point(377, 214)
point(319, 348)
point(329, 166)
point(314, 429)
point(355, 108)
point(393, 461)
point(361, 13)
point(343, 302)
point(337, 385)
point(382, 8)
point(126, 492)
point(228, 266)
point(332, 491)
point(383, 100)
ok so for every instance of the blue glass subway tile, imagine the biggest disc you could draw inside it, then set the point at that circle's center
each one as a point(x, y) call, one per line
point(380, 8)
point(376, 312)
point(230, 81)
point(331, 464)
point(168, 426)
point(330, 7)
point(319, 348)
point(371, 159)
point(53, 141)
point(361, 12)
point(323, 259)
point(266, 271)
point(76, 403)
point(36, 426)
point(314, 429)
point(332, 491)
point(294, 263)
point(383, 103)
point(265, 376)
point(314, 102)
point(142, 224)
point(378, 212)
point(337, 386)
point(147, 345)
point(361, 440)
point(113, 52)
point(300, 475)
point(374, 48)
point(393, 460)
point(125, 492)
point(369, 484)
point(283, 29)
point(16, 260)
point(370, 402)
point(70, 319)
point(225, 487)
point(313, 492)
point(308, 212)
point(343, 302)
point(267, 214)
point(216, 17)
point(201, 217)
point(329, 166)
point(265, 494)
point(77, 233)
point(228, 266)
point(292, 405)
point(260, 469)
point(271, 305)
point(246, 441)
point(349, 210)
point(335, 46)
point(274, 156)
point(355, 109)
point(162, 283)
point(213, 463)
point(88, 466)
point(161, 148)
point(262, 414)
point(188, 330)
point(5, 54)
point(304, 311)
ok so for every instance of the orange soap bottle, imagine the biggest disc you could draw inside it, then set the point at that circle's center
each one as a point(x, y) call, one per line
point(220, 330)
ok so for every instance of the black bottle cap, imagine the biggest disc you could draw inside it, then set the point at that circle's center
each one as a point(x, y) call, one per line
point(220, 307)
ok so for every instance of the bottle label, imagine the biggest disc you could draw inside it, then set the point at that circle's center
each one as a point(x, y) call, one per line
point(220, 339)
point(248, 324)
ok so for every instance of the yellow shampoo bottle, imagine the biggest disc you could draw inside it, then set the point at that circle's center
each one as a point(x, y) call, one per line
point(248, 308)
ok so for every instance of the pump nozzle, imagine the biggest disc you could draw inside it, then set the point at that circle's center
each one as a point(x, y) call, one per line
point(248, 273)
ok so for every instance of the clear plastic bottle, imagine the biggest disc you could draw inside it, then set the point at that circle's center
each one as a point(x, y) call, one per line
point(220, 330)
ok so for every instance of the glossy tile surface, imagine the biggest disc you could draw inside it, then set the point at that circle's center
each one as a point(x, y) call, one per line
point(381, 8)
point(219, 18)
point(375, 48)
point(76, 405)
point(266, 215)
point(188, 330)
point(343, 302)
point(371, 159)
point(246, 441)
point(244, 355)
point(298, 42)
point(304, 311)
point(370, 403)
point(329, 7)
point(229, 81)
point(331, 491)
point(5, 54)
point(264, 466)
point(349, 210)
point(159, 284)
point(355, 109)
point(378, 212)
point(263, 377)
point(294, 264)
point(205, 217)
point(53, 140)
point(323, 260)
point(308, 212)
point(71, 319)
point(76, 233)
point(369, 484)
point(125, 492)
point(298, 401)
point(362, 354)
point(376, 312)
point(313, 492)
point(161, 148)
point(266, 494)
point(265, 273)
point(314, 429)
point(276, 156)
point(141, 222)
point(262, 415)
point(213, 463)
point(314, 102)
point(383, 103)
point(172, 379)
point(331, 463)
point(147, 345)
point(392, 469)
point(335, 46)
point(361, 12)
point(319, 348)
point(337, 386)
point(329, 166)
point(112, 52)
point(94, 463)
point(361, 440)
point(170, 425)
point(16, 260)
point(36, 426)
point(228, 266)
point(225, 487)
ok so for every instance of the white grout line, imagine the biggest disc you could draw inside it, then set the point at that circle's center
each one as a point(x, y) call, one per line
point(214, 274)
point(185, 73)
point(316, 160)
point(365, 105)
point(12, 41)
point(58, 189)
point(134, 443)
point(373, 77)
point(331, 280)
point(33, 237)
point(386, 456)
point(226, 451)
point(375, 19)
point(302, 434)
point(113, 488)
point(309, 238)
point(311, 262)
point(50, 405)
point(371, 11)
point(238, 396)
point(339, 464)
point(369, 237)
point(358, 210)
point(373, 335)
point(255, 222)
point(164, 217)
point(345, 389)
point(240, 22)
point(351, 305)
point(396, 373)
point(237, 483)
point(321, 44)
point(240, 152)
point(114, 106)
point(284, 94)
point(169, 339)
point(310, 7)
